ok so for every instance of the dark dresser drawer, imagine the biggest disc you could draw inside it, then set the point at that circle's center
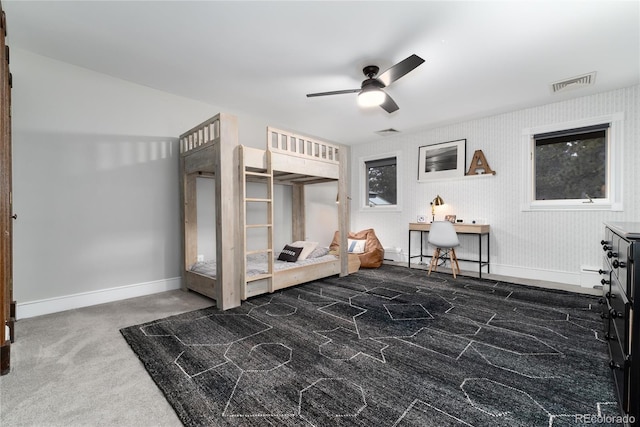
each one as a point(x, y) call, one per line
point(620, 279)
point(618, 308)
point(620, 265)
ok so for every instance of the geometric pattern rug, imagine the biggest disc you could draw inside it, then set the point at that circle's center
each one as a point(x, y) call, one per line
point(386, 347)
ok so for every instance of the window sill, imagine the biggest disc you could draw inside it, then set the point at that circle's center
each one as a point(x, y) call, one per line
point(393, 208)
point(574, 206)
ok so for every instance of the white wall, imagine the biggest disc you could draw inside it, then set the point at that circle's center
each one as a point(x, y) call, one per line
point(544, 245)
point(96, 184)
point(321, 216)
point(206, 208)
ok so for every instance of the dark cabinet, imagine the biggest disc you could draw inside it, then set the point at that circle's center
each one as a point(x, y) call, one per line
point(620, 279)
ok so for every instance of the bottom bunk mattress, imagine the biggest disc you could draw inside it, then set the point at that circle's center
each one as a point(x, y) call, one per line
point(258, 263)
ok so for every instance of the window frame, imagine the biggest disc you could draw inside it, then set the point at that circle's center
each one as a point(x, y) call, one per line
point(363, 178)
point(613, 201)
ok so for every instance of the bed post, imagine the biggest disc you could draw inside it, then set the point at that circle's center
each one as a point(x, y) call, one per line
point(189, 221)
point(298, 222)
point(343, 211)
point(228, 232)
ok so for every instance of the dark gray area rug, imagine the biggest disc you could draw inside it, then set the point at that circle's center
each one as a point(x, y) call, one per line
point(386, 347)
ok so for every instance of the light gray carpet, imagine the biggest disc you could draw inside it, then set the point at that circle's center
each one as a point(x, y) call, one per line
point(385, 347)
point(74, 369)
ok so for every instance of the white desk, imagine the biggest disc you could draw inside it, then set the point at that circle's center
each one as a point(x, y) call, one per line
point(477, 229)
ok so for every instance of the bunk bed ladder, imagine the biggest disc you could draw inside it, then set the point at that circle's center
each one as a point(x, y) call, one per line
point(265, 177)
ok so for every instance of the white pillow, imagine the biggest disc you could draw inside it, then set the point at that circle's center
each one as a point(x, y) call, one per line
point(307, 248)
point(355, 246)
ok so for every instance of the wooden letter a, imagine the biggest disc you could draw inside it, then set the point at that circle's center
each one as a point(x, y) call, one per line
point(479, 165)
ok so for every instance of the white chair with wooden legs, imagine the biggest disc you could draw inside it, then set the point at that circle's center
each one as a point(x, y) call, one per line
point(443, 236)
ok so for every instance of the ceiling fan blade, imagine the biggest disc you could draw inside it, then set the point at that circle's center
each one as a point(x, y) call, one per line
point(389, 105)
point(400, 69)
point(335, 92)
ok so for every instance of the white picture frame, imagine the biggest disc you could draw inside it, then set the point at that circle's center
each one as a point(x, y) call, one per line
point(441, 161)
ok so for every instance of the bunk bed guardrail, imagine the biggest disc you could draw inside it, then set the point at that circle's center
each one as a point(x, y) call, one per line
point(202, 135)
point(297, 145)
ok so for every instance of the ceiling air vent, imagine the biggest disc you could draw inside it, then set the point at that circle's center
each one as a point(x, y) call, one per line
point(387, 132)
point(574, 83)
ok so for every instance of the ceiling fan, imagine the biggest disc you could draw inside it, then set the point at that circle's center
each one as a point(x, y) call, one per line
point(370, 93)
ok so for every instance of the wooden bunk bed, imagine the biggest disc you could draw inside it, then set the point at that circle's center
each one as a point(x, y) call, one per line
point(211, 149)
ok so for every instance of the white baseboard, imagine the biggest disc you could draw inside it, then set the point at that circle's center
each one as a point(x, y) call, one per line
point(578, 279)
point(86, 299)
point(565, 277)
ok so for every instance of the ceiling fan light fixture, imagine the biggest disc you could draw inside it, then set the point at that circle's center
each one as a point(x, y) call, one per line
point(370, 93)
point(372, 97)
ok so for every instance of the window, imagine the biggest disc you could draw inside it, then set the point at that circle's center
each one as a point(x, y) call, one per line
point(571, 164)
point(381, 182)
point(574, 166)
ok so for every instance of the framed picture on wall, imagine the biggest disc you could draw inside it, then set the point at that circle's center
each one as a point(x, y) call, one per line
point(444, 160)
point(450, 218)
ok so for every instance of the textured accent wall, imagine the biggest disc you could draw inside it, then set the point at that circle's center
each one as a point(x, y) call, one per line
point(548, 245)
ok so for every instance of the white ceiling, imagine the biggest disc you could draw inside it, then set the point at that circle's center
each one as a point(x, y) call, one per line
point(262, 58)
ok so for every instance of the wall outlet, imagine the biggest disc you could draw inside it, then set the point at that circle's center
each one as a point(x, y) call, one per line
point(200, 258)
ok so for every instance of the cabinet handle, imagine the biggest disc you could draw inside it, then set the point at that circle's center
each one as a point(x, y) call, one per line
point(604, 242)
point(605, 281)
point(614, 365)
point(615, 314)
point(610, 295)
point(607, 248)
point(611, 254)
point(14, 216)
point(601, 271)
point(617, 264)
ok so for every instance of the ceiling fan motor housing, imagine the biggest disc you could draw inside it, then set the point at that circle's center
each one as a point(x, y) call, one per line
point(371, 70)
point(372, 83)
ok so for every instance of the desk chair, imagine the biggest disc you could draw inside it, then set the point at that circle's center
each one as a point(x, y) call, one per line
point(443, 235)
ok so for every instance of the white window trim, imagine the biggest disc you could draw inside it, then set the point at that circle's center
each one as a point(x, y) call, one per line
point(614, 178)
point(364, 207)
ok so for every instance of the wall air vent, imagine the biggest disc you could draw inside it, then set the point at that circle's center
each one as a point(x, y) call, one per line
point(574, 83)
point(387, 132)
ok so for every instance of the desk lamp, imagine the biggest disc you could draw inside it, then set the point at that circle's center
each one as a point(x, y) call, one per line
point(435, 202)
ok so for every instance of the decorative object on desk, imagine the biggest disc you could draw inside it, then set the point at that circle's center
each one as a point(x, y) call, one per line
point(450, 218)
point(443, 237)
point(479, 165)
point(422, 218)
point(435, 202)
point(445, 160)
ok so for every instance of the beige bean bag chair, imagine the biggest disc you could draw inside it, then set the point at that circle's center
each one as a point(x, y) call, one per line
point(365, 244)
